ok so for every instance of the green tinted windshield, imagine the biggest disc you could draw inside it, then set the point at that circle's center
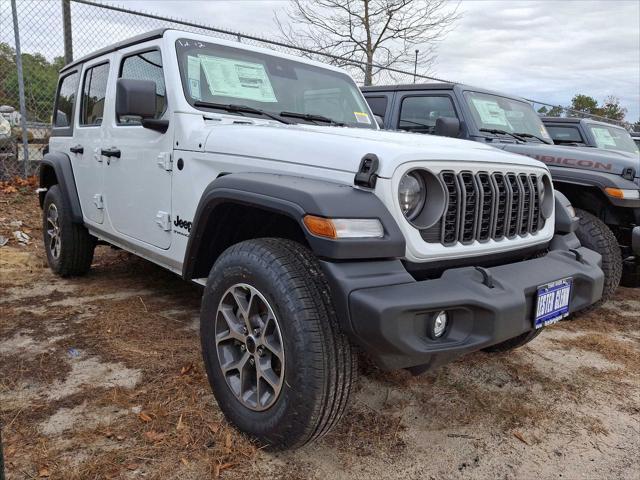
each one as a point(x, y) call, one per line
point(500, 113)
point(226, 75)
point(613, 138)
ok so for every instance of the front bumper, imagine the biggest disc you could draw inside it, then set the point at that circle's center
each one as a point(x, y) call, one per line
point(388, 311)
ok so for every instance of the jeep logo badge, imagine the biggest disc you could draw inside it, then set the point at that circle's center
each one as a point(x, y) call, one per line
point(178, 222)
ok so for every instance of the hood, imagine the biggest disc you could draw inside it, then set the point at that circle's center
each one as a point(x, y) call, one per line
point(342, 148)
point(583, 158)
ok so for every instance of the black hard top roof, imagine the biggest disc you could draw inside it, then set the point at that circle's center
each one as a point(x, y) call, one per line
point(410, 86)
point(576, 120)
point(117, 46)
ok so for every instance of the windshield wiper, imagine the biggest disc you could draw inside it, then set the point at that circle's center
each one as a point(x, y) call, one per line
point(229, 107)
point(311, 117)
point(531, 135)
point(496, 131)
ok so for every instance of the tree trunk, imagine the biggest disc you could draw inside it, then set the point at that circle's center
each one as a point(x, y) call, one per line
point(368, 73)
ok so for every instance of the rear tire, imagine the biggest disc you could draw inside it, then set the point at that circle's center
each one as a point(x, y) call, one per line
point(315, 367)
point(69, 246)
point(595, 235)
point(515, 342)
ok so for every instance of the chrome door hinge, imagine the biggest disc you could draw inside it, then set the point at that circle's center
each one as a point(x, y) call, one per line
point(97, 201)
point(165, 161)
point(163, 219)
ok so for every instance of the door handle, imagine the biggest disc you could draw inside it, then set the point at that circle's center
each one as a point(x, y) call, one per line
point(110, 152)
point(77, 149)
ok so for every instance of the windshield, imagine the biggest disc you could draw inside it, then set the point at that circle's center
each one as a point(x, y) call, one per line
point(613, 138)
point(492, 112)
point(225, 75)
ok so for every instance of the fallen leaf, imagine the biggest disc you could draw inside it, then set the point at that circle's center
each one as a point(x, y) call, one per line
point(184, 461)
point(44, 473)
point(520, 437)
point(214, 428)
point(227, 443)
point(180, 425)
point(154, 436)
point(131, 466)
point(144, 417)
point(186, 370)
point(120, 437)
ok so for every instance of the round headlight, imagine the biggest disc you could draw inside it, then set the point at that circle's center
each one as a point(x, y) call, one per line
point(411, 194)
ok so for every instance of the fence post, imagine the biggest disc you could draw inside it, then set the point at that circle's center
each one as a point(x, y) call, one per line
point(66, 27)
point(23, 107)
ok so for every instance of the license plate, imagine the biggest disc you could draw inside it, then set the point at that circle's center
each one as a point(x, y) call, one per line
point(552, 303)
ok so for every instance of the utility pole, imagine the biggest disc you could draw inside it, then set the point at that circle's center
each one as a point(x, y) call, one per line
point(66, 27)
point(415, 67)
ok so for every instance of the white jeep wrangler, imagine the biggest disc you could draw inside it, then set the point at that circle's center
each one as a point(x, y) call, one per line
point(265, 178)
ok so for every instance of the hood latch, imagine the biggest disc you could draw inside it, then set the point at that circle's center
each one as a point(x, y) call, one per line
point(368, 172)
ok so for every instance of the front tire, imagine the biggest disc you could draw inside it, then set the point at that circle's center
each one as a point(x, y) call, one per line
point(595, 235)
point(69, 246)
point(279, 367)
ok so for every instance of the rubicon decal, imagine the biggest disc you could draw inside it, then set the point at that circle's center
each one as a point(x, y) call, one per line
point(185, 224)
point(572, 162)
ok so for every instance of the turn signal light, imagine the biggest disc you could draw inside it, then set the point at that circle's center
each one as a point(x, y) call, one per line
point(335, 228)
point(622, 193)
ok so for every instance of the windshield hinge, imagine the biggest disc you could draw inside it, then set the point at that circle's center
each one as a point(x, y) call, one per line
point(165, 161)
point(368, 172)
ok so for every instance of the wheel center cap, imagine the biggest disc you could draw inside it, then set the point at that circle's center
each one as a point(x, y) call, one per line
point(251, 344)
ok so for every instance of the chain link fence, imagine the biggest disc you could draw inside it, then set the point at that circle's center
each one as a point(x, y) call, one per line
point(50, 33)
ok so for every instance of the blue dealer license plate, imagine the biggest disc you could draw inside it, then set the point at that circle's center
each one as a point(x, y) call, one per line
point(552, 302)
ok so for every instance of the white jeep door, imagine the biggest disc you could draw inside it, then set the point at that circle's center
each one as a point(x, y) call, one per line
point(88, 137)
point(137, 180)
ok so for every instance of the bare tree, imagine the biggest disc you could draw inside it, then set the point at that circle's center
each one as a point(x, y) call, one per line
point(378, 33)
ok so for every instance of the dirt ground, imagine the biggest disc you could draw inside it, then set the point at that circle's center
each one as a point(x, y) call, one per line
point(101, 377)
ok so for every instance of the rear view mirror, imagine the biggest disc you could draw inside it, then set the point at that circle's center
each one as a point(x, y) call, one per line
point(137, 98)
point(447, 127)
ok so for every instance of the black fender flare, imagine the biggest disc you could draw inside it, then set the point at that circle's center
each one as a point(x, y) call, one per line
point(61, 164)
point(296, 197)
point(599, 180)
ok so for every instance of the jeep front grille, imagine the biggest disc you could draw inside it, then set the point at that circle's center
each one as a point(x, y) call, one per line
point(485, 206)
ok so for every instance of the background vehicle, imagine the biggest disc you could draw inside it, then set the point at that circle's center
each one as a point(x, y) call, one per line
point(635, 136)
point(603, 185)
point(585, 132)
point(231, 166)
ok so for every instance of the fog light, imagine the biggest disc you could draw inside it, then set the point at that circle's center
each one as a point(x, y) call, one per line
point(438, 325)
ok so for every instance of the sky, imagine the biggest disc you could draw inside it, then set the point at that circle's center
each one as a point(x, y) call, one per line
point(544, 50)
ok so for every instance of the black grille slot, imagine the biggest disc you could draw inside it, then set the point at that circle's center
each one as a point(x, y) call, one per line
point(516, 200)
point(486, 205)
point(525, 188)
point(469, 205)
point(485, 201)
point(449, 234)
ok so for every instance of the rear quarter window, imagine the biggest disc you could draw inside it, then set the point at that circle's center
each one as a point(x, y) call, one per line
point(65, 101)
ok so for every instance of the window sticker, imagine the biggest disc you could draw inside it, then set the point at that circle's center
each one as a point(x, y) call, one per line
point(490, 112)
point(193, 74)
point(603, 137)
point(237, 78)
point(362, 117)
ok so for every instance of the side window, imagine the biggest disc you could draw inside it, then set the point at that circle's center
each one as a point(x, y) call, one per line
point(94, 91)
point(378, 105)
point(561, 134)
point(419, 114)
point(145, 66)
point(65, 101)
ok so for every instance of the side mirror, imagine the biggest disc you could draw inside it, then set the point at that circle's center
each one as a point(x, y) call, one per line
point(135, 98)
point(379, 120)
point(447, 127)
